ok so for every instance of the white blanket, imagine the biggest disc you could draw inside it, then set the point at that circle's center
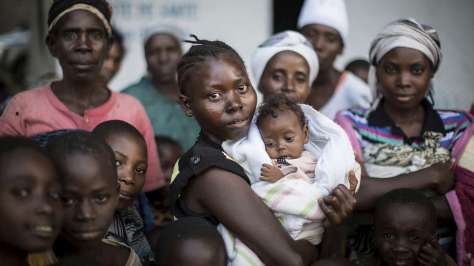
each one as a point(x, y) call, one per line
point(297, 207)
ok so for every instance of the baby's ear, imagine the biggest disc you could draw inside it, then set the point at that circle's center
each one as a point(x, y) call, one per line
point(185, 103)
point(306, 133)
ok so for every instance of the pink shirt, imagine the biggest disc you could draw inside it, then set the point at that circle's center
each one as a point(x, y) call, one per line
point(39, 110)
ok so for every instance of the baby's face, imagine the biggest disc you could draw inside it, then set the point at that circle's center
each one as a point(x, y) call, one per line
point(284, 136)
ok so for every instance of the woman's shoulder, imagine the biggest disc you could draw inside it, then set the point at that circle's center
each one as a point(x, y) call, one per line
point(454, 118)
point(37, 94)
point(353, 115)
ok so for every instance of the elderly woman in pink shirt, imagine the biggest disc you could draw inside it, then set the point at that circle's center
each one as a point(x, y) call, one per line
point(79, 35)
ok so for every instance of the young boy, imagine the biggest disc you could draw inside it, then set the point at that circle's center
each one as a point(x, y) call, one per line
point(90, 193)
point(405, 225)
point(190, 241)
point(130, 152)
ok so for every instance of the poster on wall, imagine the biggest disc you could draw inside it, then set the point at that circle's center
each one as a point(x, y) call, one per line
point(242, 24)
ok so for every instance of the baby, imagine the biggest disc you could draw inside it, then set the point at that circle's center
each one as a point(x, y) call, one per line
point(284, 130)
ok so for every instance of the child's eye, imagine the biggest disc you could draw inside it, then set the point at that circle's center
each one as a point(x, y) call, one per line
point(118, 163)
point(301, 78)
point(415, 238)
point(268, 144)
point(97, 35)
point(69, 201)
point(101, 199)
point(277, 76)
point(388, 236)
point(289, 139)
point(22, 192)
point(214, 96)
point(140, 171)
point(54, 195)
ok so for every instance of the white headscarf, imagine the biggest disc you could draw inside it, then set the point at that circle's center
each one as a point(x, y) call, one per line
point(332, 13)
point(406, 33)
point(284, 41)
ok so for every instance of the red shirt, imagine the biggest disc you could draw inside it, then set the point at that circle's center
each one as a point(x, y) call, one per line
point(39, 110)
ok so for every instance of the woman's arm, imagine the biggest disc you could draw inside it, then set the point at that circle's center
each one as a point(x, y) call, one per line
point(230, 199)
point(438, 177)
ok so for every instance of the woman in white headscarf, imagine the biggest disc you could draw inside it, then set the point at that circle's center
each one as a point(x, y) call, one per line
point(402, 141)
point(325, 24)
point(285, 63)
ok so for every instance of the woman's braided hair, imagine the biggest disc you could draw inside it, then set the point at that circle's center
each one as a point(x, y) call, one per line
point(198, 54)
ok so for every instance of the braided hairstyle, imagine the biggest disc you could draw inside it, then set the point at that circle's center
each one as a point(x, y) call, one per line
point(201, 51)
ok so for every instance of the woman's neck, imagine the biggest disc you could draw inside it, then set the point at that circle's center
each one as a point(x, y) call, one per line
point(79, 97)
point(12, 257)
point(169, 88)
point(404, 116)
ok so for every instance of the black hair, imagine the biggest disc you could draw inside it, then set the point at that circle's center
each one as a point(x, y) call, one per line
point(12, 143)
point(279, 103)
point(406, 196)
point(357, 64)
point(82, 142)
point(173, 234)
point(165, 140)
point(118, 128)
point(198, 54)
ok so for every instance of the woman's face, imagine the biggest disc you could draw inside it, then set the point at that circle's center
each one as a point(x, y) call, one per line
point(80, 42)
point(286, 73)
point(326, 42)
point(162, 54)
point(221, 99)
point(404, 77)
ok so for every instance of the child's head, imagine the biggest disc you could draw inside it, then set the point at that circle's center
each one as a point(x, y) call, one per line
point(190, 241)
point(169, 151)
point(86, 165)
point(130, 152)
point(360, 68)
point(30, 205)
point(285, 63)
point(404, 221)
point(215, 89)
point(283, 127)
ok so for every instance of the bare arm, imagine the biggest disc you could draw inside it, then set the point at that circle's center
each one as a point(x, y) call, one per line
point(234, 204)
point(438, 177)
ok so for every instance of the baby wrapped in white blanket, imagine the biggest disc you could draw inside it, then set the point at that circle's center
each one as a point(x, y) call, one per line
point(292, 191)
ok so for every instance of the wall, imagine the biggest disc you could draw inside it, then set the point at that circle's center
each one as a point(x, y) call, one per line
point(242, 24)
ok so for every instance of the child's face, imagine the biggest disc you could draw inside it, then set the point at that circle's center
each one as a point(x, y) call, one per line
point(222, 99)
point(400, 232)
point(90, 197)
point(287, 73)
point(169, 154)
point(131, 162)
point(284, 137)
point(30, 206)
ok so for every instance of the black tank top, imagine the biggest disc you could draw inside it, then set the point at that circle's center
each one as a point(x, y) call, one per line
point(204, 155)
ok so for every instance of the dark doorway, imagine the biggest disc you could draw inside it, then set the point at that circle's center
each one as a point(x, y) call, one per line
point(285, 14)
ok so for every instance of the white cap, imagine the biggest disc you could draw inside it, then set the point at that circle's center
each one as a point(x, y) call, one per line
point(332, 13)
point(284, 41)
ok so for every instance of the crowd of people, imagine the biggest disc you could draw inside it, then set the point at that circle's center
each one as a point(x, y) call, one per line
point(352, 167)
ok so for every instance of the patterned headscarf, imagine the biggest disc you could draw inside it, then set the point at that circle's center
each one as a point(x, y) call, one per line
point(100, 8)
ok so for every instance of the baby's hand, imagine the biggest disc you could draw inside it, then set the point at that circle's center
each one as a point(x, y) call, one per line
point(270, 173)
point(431, 254)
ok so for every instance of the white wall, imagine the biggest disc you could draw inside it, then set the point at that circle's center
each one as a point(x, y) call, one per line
point(242, 24)
point(454, 20)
